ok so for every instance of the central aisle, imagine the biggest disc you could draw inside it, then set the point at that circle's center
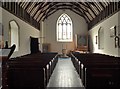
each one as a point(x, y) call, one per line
point(64, 75)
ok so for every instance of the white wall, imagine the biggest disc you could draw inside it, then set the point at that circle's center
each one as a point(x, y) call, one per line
point(119, 30)
point(0, 25)
point(109, 43)
point(79, 27)
point(26, 31)
point(0, 15)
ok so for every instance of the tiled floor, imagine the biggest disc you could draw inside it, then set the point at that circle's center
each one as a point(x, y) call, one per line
point(64, 75)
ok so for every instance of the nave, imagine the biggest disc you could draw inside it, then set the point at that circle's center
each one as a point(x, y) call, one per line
point(89, 31)
point(65, 75)
point(41, 70)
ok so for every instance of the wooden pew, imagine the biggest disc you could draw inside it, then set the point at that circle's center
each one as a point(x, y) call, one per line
point(97, 70)
point(31, 78)
point(31, 71)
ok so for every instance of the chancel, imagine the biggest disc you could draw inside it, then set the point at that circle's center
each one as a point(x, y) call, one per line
point(59, 44)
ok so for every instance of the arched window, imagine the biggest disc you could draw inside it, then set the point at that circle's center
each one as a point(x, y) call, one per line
point(14, 34)
point(64, 28)
point(101, 38)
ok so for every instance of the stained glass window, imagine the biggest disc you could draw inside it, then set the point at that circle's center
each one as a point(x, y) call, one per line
point(64, 28)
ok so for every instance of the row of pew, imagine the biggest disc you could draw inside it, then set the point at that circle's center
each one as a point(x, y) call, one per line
point(31, 71)
point(97, 70)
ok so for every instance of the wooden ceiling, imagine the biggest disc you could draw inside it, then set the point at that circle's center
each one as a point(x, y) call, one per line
point(38, 11)
point(42, 10)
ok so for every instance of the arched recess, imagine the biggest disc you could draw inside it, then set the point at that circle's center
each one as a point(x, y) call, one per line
point(101, 38)
point(14, 34)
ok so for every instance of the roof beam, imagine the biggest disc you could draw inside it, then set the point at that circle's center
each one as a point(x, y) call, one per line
point(83, 4)
point(33, 7)
point(78, 6)
point(48, 8)
point(102, 5)
point(40, 5)
point(64, 6)
point(90, 9)
point(95, 5)
point(59, 8)
point(47, 15)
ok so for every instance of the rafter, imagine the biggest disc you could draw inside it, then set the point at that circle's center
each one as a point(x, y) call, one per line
point(50, 8)
point(39, 6)
point(102, 5)
point(43, 7)
point(83, 4)
point(40, 12)
point(47, 15)
point(95, 5)
point(43, 14)
point(91, 9)
point(92, 12)
point(78, 6)
point(33, 7)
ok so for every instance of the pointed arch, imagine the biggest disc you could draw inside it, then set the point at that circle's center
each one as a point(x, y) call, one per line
point(64, 28)
point(14, 34)
point(101, 38)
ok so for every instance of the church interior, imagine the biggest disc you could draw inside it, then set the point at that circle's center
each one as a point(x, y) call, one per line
point(60, 44)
